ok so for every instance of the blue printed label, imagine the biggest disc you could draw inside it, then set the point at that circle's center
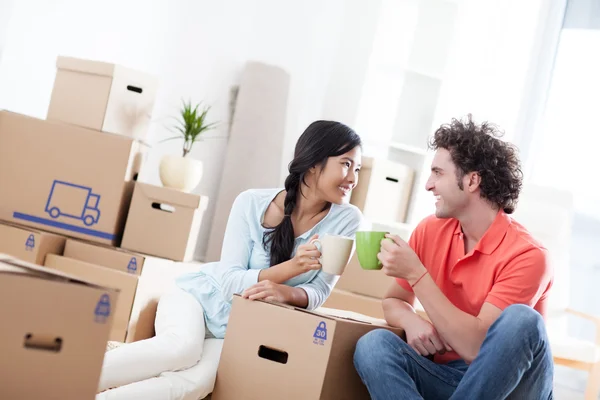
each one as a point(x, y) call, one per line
point(30, 243)
point(132, 266)
point(320, 335)
point(102, 311)
point(69, 206)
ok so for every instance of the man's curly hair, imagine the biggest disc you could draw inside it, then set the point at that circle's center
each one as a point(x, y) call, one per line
point(478, 148)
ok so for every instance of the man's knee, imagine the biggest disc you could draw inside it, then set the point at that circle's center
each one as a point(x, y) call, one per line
point(519, 318)
point(374, 345)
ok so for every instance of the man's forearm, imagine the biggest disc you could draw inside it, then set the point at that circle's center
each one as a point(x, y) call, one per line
point(279, 273)
point(462, 331)
point(398, 313)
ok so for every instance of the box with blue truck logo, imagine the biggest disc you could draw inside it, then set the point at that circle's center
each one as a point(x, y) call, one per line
point(54, 332)
point(66, 179)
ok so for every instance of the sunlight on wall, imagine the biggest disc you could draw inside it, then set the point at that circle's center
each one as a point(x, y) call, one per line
point(567, 156)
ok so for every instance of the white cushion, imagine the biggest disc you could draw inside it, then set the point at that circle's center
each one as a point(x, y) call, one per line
point(574, 349)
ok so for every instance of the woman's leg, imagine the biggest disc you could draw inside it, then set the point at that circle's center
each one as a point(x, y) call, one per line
point(177, 345)
point(190, 384)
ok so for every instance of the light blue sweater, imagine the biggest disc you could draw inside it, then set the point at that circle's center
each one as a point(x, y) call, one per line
point(243, 256)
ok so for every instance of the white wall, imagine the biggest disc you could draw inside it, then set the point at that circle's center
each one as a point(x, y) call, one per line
point(197, 49)
point(5, 14)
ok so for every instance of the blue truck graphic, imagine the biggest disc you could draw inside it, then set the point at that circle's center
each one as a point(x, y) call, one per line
point(73, 201)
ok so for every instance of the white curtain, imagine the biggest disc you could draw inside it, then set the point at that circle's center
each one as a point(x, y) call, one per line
point(498, 67)
point(502, 63)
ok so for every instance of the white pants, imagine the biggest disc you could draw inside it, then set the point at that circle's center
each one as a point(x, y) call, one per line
point(178, 363)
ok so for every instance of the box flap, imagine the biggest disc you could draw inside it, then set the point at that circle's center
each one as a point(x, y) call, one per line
point(89, 243)
point(13, 265)
point(30, 229)
point(87, 66)
point(350, 316)
point(169, 196)
point(294, 308)
point(332, 314)
point(114, 136)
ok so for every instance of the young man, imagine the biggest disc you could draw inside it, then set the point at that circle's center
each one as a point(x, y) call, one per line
point(482, 279)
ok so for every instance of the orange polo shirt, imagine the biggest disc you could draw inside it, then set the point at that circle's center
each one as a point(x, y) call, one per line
point(507, 266)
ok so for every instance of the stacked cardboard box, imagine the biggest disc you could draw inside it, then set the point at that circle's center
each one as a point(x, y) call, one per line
point(67, 184)
point(28, 244)
point(67, 174)
point(54, 333)
point(141, 278)
point(156, 211)
point(74, 173)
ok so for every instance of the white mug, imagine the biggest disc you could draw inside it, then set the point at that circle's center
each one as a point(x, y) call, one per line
point(335, 253)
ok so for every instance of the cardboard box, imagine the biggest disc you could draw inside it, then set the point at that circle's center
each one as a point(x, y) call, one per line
point(105, 256)
point(370, 306)
point(103, 96)
point(28, 244)
point(64, 178)
point(384, 191)
point(299, 355)
point(54, 332)
point(164, 222)
point(344, 300)
point(156, 277)
point(373, 283)
point(106, 277)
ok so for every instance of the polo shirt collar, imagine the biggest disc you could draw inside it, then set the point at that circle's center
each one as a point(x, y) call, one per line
point(493, 236)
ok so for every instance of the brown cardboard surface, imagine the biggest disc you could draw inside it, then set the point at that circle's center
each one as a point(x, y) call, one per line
point(60, 177)
point(105, 256)
point(125, 283)
point(344, 300)
point(373, 283)
point(300, 355)
point(102, 96)
point(54, 343)
point(156, 277)
point(157, 211)
point(28, 244)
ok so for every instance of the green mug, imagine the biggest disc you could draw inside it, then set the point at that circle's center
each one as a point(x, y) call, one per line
point(368, 245)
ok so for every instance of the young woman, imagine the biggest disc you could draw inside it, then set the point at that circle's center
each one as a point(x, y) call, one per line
point(267, 254)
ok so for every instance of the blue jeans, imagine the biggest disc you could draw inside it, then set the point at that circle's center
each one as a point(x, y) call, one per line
point(514, 362)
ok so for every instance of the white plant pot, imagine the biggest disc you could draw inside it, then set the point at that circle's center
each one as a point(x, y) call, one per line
point(181, 173)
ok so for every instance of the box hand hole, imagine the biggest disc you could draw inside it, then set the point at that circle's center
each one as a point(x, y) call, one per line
point(42, 342)
point(271, 354)
point(134, 89)
point(163, 207)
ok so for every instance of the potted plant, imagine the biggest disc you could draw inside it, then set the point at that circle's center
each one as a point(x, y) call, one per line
point(181, 171)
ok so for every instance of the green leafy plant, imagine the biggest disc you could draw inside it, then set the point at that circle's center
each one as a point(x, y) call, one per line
point(191, 124)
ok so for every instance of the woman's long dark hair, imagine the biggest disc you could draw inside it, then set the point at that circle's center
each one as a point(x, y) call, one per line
point(321, 140)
